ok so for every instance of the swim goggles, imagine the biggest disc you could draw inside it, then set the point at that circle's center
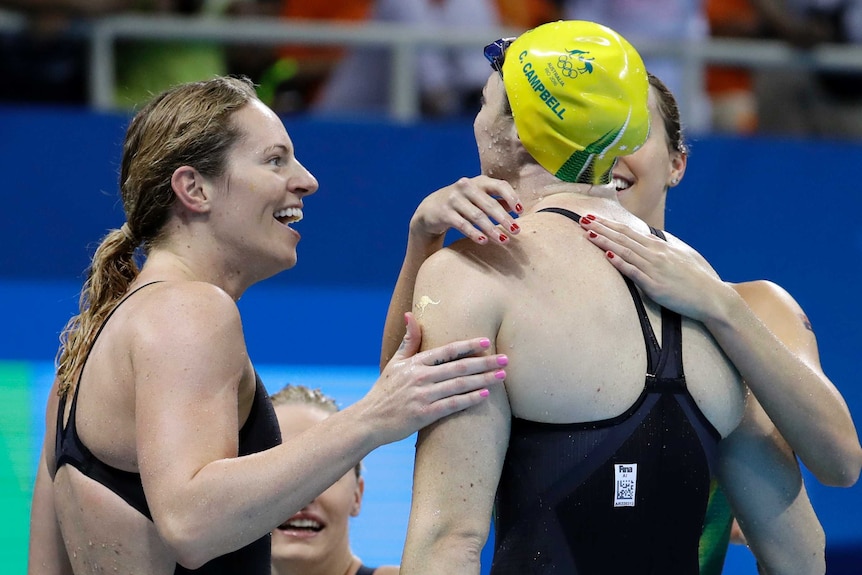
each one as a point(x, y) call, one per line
point(495, 52)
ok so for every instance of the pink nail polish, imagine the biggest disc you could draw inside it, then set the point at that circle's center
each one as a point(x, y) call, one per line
point(502, 361)
point(484, 393)
point(501, 374)
point(485, 342)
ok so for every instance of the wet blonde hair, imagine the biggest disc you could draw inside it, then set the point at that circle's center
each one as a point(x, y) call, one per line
point(292, 394)
point(188, 125)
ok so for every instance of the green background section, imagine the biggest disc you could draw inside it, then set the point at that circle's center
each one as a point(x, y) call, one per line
point(16, 472)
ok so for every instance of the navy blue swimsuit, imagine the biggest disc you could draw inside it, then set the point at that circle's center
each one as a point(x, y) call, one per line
point(259, 433)
point(567, 502)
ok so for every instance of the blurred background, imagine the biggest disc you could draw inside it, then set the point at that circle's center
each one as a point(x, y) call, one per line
point(379, 97)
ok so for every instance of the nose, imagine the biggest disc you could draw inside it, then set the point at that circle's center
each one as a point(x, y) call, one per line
point(303, 183)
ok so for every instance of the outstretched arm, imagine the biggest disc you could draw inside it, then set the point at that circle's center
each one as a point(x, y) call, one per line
point(204, 498)
point(471, 206)
point(762, 330)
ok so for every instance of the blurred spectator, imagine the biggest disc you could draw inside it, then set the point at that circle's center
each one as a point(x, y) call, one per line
point(802, 102)
point(731, 88)
point(639, 21)
point(290, 77)
point(46, 60)
point(145, 68)
point(450, 80)
point(527, 14)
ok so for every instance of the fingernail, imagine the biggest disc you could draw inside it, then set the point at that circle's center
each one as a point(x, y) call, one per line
point(504, 237)
point(501, 374)
point(482, 239)
point(514, 228)
point(610, 255)
point(519, 208)
point(593, 234)
point(586, 220)
point(485, 342)
point(502, 360)
point(406, 321)
point(484, 393)
point(591, 216)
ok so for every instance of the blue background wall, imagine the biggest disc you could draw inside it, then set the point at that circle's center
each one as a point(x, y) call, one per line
point(787, 211)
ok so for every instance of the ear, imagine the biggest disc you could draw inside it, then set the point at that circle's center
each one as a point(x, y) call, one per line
point(191, 189)
point(678, 163)
point(357, 496)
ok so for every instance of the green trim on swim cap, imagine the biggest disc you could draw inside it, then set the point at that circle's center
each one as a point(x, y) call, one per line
point(580, 168)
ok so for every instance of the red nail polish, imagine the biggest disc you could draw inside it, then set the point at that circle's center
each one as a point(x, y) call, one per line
point(519, 208)
point(610, 255)
point(591, 216)
point(593, 234)
point(504, 237)
point(514, 228)
point(586, 220)
point(481, 238)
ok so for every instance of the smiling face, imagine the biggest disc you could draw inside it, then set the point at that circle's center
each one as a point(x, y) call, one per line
point(318, 534)
point(261, 194)
point(642, 178)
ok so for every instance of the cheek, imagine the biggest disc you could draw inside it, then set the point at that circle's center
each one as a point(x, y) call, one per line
point(652, 165)
point(340, 497)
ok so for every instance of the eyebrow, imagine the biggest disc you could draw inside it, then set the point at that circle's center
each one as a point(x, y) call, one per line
point(276, 148)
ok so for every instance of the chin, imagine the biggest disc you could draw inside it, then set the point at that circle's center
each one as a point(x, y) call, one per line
point(295, 554)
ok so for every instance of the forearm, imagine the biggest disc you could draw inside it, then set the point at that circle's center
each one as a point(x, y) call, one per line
point(804, 405)
point(761, 478)
point(419, 248)
point(233, 501)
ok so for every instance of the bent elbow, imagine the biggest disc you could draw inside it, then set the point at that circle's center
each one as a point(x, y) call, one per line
point(187, 541)
point(849, 474)
point(841, 469)
point(846, 472)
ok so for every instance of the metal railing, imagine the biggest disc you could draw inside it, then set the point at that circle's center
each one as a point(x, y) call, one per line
point(405, 40)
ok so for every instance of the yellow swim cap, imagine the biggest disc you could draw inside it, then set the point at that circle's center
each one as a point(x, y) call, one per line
point(578, 93)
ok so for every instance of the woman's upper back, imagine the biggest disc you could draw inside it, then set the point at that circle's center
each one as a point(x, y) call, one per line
point(570, 327)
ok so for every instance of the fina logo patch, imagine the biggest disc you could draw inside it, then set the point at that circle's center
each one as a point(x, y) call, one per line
point(625, 484)
point(574, 63)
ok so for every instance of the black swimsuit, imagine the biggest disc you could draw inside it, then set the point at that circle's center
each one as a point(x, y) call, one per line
point(622, 495)
point(260, 432)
